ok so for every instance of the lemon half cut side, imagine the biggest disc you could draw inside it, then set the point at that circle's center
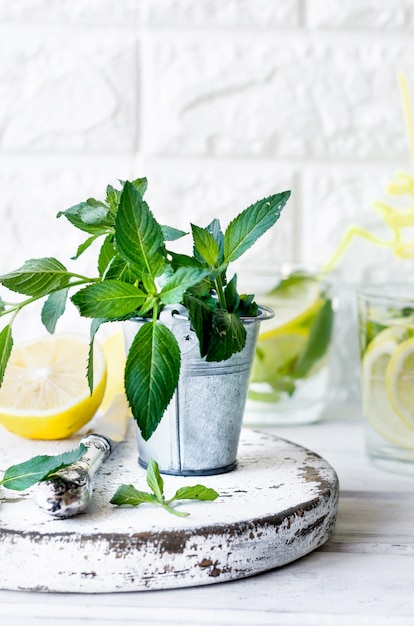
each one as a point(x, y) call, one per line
point(45, 393)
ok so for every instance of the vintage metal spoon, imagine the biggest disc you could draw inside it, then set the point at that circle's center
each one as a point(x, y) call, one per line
point(68, 492)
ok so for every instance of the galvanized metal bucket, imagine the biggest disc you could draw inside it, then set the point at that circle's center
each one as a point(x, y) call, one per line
point(200, 429)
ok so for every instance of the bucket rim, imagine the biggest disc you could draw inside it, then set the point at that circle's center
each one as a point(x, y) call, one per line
point(178, 312)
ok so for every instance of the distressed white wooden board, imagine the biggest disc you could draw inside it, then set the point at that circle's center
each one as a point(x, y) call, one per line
point(278, 505)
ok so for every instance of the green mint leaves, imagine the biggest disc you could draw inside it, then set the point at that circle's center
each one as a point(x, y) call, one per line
point(137, 276)
point(129, 495)
point(24, 475)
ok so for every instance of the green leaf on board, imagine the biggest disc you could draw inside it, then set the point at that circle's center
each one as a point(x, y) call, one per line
point(154, 480)
point(197, 492)
point(129, 495)
point(24, 475)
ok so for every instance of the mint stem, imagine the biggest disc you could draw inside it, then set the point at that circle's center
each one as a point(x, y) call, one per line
point(220, 293)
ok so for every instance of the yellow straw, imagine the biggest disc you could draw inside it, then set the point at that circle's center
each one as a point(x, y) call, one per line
point(407, 110)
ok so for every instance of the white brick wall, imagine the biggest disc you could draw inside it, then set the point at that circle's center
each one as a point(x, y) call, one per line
point(218, 103)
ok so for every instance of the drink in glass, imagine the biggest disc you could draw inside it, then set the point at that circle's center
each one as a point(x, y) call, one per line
point(386, 332)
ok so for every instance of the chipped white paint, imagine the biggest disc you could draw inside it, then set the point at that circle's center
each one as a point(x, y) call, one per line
point(278, 505)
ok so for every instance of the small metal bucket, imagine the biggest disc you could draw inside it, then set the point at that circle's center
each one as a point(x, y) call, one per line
point(200, 429)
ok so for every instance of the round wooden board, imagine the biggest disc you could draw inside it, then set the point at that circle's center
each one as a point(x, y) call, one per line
point(278, 505)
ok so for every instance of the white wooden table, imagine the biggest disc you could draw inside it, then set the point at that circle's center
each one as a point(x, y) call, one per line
point(363, 576)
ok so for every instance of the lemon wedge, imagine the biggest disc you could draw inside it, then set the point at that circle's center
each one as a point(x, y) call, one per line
point(45, 394)
point(376, 401)
point(400, 381)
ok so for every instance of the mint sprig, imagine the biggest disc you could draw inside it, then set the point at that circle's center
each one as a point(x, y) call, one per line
point(129, 495)
point(137, 276)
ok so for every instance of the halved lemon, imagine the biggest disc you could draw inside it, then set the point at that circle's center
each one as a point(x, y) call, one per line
point(45, 394)
point(400, 381)
point(377, 406)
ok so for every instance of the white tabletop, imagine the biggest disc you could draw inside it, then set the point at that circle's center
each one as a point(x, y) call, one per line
point(363, 575)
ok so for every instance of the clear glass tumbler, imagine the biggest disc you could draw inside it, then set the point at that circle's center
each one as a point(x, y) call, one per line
point(386, 333)
point(290, 376)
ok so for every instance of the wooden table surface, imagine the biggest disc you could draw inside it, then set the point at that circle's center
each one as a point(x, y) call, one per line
point(364, 575)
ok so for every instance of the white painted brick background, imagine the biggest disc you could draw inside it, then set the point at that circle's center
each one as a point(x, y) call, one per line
point(217, 102)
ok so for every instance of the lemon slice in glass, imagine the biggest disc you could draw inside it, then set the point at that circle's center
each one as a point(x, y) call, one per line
point(294, 300)
point(377, 406)
point(400, 381)
point(275, 352)
point(45, 394)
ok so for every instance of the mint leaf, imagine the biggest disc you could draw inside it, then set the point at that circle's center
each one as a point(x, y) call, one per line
point(197, 492)
point(53, 308)
point(252, 223)
point(112, 197)
point(120, 270)
point(175, 286)
point(140, 185)
point(151, 374)
point(183, 260)
point(127, 494)
point(6, 345)
point(24, 475)
point(91, 216)
point(200, 313)
point(205, 246)
point(172, 234)
point(111, 299)
point(37, 277)
point(154, 480)
point(228, 336)
point(231, 295)
point(106, 254)
point(318, 342)
point(138, 236)
point(84, 246)
point(214, 228)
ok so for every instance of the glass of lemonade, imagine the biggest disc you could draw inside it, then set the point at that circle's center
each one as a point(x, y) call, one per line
point(386, 332)
point(290, 376)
